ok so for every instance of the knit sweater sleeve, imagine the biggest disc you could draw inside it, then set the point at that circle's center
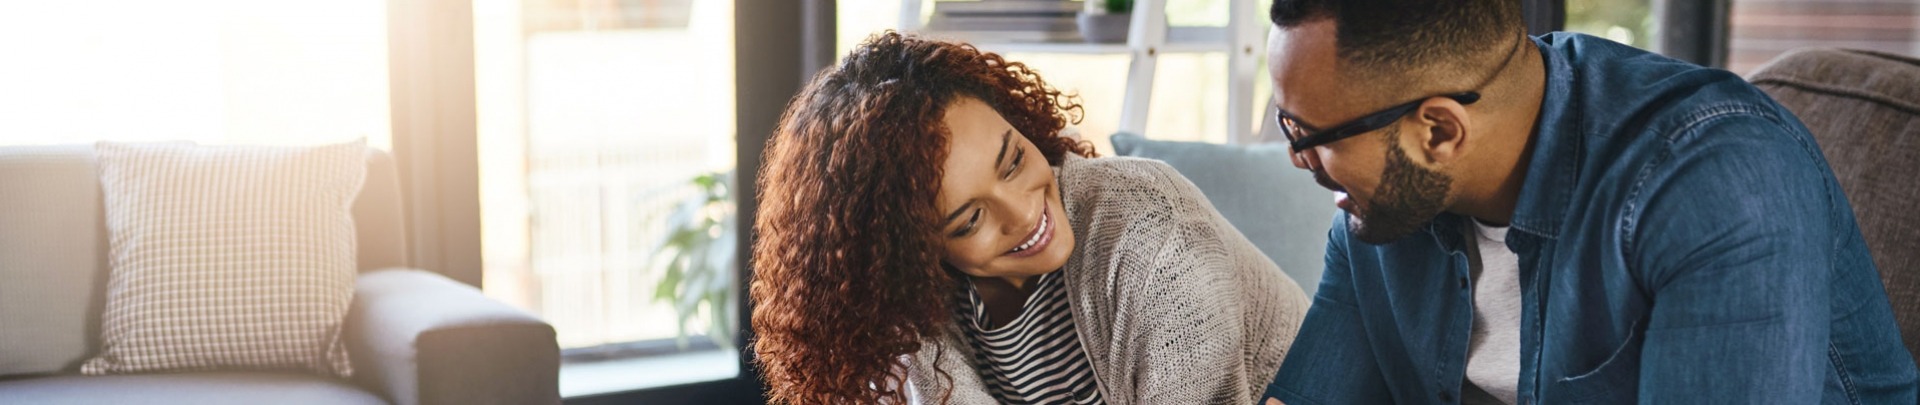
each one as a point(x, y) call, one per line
point(1172, 304)
point(1197, 313)
point(943, 372)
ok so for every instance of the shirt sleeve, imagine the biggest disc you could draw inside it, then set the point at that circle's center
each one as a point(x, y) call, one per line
point(1331, 361)
point(1196, 345)
point(1735, 247)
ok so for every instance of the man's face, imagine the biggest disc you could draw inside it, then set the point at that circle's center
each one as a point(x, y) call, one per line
point(1387, 194)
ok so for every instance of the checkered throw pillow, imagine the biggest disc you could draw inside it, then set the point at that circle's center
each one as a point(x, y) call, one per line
point(228, 257)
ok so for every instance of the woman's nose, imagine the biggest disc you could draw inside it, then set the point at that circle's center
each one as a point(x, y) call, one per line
point(1017, 206)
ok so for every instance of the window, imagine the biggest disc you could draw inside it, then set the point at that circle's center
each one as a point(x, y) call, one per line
point(1760, 30)
point(606, 146)
point(1764, 29)
point(211, 71)
point(1189, 90)
point(1628, 22)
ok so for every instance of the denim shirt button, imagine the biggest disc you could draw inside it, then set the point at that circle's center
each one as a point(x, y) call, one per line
point(1463, 282)
point(1446, 396)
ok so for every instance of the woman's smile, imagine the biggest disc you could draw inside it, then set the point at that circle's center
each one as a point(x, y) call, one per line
point(1039, 238)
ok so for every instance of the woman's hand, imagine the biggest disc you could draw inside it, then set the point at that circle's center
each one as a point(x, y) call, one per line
point(1275, 401)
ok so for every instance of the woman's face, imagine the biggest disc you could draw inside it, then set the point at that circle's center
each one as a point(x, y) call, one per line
point(1002, 215)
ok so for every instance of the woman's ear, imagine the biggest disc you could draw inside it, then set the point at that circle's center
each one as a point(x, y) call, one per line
point(1443, 125)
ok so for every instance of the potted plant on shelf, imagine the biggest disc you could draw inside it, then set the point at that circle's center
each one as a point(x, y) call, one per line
point(1105, 21)
point(697, 258)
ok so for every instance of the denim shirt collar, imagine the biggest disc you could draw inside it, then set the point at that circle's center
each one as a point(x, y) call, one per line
point(1553, 167)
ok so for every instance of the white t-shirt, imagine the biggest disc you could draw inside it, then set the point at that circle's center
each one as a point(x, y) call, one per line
point(1493, 351)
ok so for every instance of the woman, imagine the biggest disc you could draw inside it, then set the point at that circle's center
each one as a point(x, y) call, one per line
point(925, 231)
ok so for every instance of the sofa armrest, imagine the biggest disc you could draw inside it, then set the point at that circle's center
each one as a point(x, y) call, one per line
point(421, 338)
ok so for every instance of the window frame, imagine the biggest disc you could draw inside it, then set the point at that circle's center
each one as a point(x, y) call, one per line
point(1695, 31)
point(431, 45)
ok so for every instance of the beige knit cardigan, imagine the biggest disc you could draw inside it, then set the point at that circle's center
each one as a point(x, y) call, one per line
point(1170, 302)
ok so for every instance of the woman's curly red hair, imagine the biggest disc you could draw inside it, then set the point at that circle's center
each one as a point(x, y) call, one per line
point(847, 267)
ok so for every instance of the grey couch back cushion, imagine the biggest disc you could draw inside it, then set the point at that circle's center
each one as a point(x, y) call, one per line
point(53, 251)
point(1258, 190)
point(53, 258)
point(1864, 110)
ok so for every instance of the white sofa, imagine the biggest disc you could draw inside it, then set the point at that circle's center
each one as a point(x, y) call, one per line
point(415, 337)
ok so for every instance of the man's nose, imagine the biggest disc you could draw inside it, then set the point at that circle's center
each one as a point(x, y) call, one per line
point(1305, 160)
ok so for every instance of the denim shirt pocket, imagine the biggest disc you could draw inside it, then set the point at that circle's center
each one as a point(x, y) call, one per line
point(1614, 381)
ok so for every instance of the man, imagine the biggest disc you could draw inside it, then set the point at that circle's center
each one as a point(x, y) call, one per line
point(1563, 219)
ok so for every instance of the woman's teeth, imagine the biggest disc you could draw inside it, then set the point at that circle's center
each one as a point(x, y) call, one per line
point(1037, 232)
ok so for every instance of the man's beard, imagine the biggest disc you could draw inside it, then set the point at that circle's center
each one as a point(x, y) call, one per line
point(1408, 197)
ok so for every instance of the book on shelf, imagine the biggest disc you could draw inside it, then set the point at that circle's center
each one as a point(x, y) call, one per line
point(1006, 20)
point(978, 37)
point(1007, 7)
point(1008, 23)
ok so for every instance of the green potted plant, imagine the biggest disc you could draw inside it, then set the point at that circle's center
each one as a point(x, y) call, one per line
point(696, 261)
point(1105, 21)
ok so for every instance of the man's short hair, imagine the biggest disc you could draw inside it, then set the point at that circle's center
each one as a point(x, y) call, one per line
point(1397, 36)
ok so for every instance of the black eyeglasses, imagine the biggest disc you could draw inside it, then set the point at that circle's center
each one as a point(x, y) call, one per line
point(1302, 137)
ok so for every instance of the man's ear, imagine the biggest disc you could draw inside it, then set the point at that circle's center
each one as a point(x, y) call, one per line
point(1442, 130)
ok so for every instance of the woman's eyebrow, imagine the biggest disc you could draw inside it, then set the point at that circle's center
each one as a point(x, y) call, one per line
point(956, 213)
point(1002, 154)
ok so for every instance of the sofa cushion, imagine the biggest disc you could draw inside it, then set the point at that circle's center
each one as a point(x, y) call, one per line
point(53, 249)
point(206, 388)
point(1258, 190)
point(1864, 110)
point(53, 258)
point(228, 257)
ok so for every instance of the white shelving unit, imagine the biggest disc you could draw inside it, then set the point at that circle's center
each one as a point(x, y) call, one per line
point(1149, 37)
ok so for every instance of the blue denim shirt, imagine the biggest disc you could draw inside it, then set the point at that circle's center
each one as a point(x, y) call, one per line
point(1681, 240)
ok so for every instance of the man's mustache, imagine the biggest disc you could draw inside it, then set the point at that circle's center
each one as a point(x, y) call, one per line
point(1321, 177)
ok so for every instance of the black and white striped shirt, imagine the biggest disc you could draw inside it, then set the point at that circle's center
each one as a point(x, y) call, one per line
point(1036, 358)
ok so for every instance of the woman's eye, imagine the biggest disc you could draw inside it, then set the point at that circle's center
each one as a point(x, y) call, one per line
point(1015, 166)
point(968, 228)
